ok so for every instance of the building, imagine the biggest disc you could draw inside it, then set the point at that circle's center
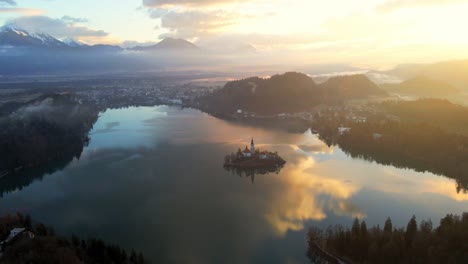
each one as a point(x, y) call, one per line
point(252, 147)
point(377, 136)
point(264, 155)
point(246, 153)
point(15, 233)
point(343, 130)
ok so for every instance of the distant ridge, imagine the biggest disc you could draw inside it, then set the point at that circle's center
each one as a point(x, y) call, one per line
point(424, 87)
point(289, 92)
point(350, 87)
point(247, 48)
point(453, 72)
point(169, 44)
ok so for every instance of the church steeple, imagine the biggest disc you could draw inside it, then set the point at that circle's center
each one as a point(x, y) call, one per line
point(252, 147)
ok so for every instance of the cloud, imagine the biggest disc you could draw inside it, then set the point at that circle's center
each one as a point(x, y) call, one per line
point(302, 195)
point(23, 11)
point(8, 2)
point(166, 3)
point(196, 23)
point(391, 5)
point(195, 19)
point(74, 20)
point(59, 28)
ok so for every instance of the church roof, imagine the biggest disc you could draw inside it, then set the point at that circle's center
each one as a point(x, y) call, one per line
point(246, 150)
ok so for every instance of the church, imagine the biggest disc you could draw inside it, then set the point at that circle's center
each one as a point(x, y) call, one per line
point(249, 152)
point(253, 158)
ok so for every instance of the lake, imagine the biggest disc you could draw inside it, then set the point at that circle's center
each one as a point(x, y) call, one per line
point(152, 179)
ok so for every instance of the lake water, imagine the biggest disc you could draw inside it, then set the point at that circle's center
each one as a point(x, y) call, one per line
point(152, 179)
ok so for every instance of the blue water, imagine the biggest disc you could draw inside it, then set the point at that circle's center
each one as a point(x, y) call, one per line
point(152, 179)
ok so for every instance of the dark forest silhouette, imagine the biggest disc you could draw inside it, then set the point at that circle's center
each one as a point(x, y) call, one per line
point(417, 243)
point(286, 93)
point(417, 140)
point(41, 137)
point(47, 247)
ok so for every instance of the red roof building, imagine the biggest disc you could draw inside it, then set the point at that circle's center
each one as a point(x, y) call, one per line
point(246, 150)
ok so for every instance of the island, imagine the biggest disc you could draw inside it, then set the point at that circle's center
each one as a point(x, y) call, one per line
point(253, 159)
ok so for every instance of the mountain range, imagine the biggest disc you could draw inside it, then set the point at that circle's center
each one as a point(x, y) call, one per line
point(12, 36)
point(17, 37)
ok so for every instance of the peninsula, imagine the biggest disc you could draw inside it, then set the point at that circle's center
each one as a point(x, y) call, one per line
point(253, 159)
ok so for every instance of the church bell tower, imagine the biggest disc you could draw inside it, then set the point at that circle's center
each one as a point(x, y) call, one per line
point(252, 147)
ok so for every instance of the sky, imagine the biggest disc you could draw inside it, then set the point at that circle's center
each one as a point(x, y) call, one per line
point(377, 33)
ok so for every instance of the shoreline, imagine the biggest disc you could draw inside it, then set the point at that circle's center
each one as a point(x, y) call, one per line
point(253, 163)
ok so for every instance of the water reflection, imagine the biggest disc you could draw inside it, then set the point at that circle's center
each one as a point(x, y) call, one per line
point(250, 173)
point(156, 183)
point(304, 196)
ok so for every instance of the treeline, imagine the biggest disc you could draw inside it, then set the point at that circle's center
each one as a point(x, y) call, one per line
point(417, 243)
point(19, 180)
point(240, 171)
point(53, 126)
point(437, 112)
point(408, 135)
point(418, 146)
point(46, 247)
point(280, 93)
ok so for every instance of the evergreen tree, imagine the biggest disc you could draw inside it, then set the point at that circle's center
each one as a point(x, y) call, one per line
point(426, 226)
point(363, 240)
point(411, 230)
point(388, 227)
point(355, 230)
point(27, 221)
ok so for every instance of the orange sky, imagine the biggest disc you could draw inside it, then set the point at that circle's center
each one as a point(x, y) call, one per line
point(374, 33)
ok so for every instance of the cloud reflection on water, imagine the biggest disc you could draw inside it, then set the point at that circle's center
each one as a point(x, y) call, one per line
point(166, 192)
point(303, 195)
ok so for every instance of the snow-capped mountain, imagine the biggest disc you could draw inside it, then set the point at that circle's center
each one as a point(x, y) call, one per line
point(73, 43)
point(14, 36)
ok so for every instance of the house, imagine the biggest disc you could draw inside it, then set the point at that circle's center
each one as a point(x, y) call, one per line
point(15, 233)
point(246, 153)
point(264, 155)
point(343, 130)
